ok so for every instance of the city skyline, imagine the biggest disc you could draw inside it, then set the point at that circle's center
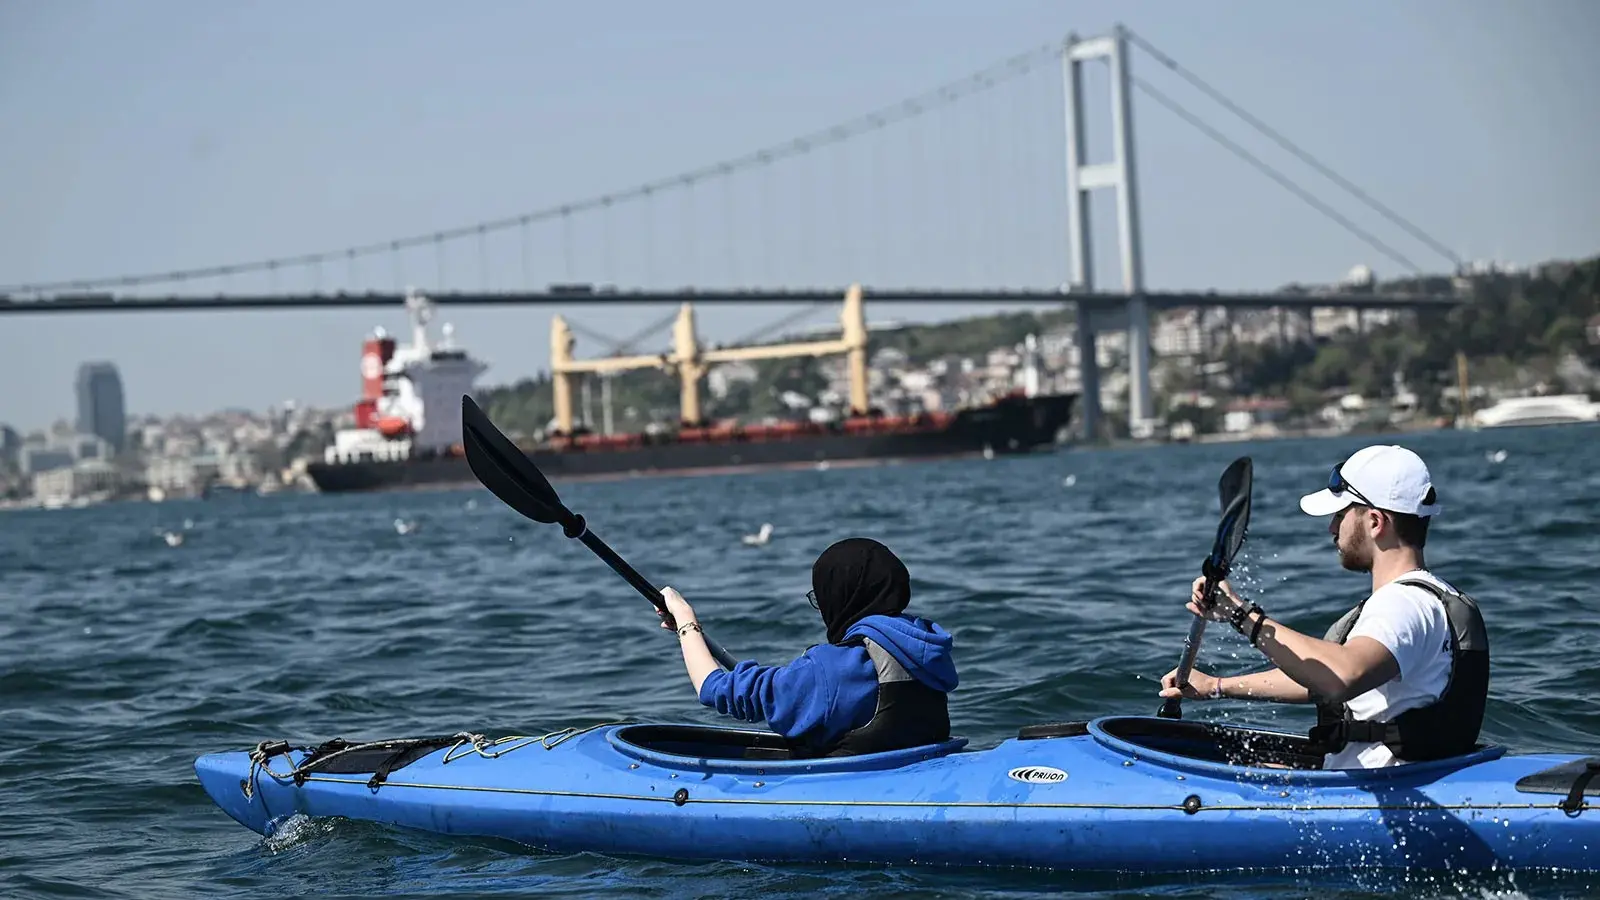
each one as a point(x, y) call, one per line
point(143, 168)
point(80, 415)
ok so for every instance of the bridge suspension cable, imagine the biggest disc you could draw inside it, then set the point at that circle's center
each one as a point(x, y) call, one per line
point(1283, 180)
point(947, 207)
point(1298, 152)
point(876, 120)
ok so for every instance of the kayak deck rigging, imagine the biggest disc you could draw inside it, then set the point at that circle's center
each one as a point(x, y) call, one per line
point(385, 756)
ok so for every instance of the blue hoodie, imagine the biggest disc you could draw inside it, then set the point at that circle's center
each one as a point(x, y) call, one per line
point(831, 689)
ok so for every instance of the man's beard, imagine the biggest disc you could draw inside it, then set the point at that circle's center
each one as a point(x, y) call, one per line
point(1354, 560)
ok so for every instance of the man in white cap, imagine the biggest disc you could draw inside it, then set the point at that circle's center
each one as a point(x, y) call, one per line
point(1404, 676)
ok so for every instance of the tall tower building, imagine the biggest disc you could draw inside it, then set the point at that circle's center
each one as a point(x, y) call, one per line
point(100, 409)
point(10, 444)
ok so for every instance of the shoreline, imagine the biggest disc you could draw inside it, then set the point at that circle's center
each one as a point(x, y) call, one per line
point(1287, 434)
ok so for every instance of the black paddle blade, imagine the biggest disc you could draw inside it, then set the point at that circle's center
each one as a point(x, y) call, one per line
point(1234, 495)
point(505, 471)
point(512, 477)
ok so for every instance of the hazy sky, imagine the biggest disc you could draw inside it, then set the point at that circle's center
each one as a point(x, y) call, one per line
point(160, 135)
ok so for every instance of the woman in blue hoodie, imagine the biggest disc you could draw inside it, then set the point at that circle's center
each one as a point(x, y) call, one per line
point(879, 683)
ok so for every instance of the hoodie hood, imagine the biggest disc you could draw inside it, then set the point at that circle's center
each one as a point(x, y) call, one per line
point(919, 644)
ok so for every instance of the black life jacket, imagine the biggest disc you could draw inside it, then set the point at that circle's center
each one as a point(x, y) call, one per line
point(1446, 727)
point(908, 714)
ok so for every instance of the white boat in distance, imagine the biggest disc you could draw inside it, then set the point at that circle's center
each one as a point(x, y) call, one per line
point(1555, 409)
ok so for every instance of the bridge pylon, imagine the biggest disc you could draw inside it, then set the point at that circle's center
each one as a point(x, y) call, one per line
point(1119, 174)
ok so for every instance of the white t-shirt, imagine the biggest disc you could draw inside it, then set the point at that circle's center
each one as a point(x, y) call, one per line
point(1411, 622)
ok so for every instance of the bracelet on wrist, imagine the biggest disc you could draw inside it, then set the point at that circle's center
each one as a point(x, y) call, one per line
point(1255, 630)
point(1241, 614)
point(687, 627)
point(1216, 689)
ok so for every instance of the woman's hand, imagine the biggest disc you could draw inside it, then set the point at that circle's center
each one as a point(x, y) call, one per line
point(678, 608)
point(696, 656)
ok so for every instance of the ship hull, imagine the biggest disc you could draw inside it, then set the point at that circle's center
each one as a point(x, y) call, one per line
point(1011, 426)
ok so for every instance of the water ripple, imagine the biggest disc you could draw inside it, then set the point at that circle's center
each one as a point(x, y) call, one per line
point(121, 658)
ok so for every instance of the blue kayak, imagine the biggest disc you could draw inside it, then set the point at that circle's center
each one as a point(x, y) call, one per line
point(1120, 794)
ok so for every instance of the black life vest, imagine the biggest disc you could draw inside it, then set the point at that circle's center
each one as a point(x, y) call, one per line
point(1444, 728)
point(908, 714)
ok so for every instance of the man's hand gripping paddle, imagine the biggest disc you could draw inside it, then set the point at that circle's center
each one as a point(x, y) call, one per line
point(1234, 491)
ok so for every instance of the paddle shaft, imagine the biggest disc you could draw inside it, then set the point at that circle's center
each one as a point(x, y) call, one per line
point(1191, 649)
point(1234, 489)
point(512, 477)
point(632, 576)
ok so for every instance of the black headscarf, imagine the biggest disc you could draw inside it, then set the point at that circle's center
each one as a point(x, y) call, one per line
point(856, 578)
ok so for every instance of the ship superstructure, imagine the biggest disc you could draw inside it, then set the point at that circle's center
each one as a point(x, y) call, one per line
point(410, 394)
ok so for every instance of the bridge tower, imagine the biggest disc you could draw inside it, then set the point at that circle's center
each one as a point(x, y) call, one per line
point(1083, 177)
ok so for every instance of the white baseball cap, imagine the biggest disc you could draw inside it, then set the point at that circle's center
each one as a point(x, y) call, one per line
point(1388, 477)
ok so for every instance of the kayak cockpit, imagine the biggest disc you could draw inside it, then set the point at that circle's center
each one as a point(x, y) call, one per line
point(708, 748)
point(1216, 749)
point(1229, 745)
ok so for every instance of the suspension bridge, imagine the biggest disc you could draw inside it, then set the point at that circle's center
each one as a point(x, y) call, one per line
point(993, 172)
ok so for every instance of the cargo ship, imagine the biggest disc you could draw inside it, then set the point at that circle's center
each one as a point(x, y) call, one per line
point(407, 430)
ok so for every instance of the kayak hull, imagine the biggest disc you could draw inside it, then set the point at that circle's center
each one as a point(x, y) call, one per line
point(1110, 799)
